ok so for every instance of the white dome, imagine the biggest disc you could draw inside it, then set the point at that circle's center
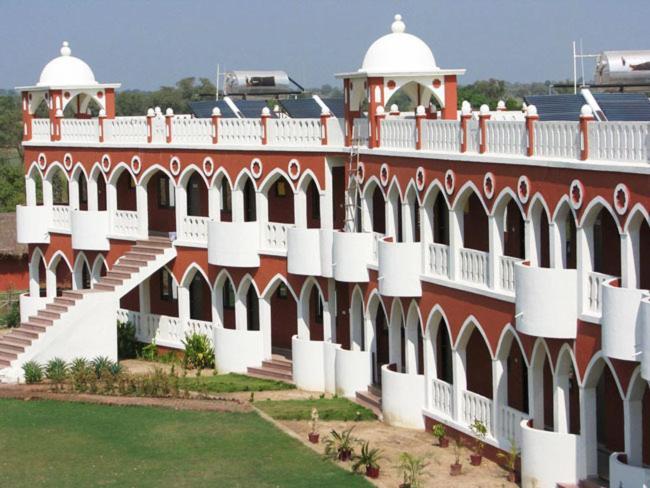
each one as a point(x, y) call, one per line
point(66, 70)
point(398, 52)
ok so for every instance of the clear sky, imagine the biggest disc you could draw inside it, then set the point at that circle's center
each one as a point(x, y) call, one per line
point(145, 44)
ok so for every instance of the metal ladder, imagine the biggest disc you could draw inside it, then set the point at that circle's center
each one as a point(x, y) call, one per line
point(353, 190)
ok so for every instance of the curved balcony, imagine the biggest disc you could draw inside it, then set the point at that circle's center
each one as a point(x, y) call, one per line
point(352, 252)
point(621, 324)
point(233, 244)
point(32, 224)
point(353, 370)
point(29, 305)
point(403, 397)
point(623, 474)
point(90, 230)
point(303, 252)
point(399, 268)
point(546, 301)
point(548, 458)
point(645, 338)
point(308, 364)
point(236, 350)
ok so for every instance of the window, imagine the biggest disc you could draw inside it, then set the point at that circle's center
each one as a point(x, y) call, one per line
point(228, 295)
point(281, 188)
point(315, 203)
point(226, 196)
point(83, 190)
point(166, 193)
point(283, 292)
point(168, 290)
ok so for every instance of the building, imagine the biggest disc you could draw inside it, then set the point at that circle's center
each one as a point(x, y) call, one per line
point(449, 266)
point(14, 275)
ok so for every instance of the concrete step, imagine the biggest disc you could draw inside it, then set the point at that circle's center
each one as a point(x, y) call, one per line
point(271, 374)
point(370, 401)
point(284, 365)
point(121, 275)
point(25, 334)
point(56, 307)
point(375, 390)
point(10, 339)
point(48, 314)
point(72, 295)
point(9, 356)
point(63, 301)
point(140, 256)
point(5, 363)
point(104, 287)
point(593, 483)
point(42, 321)
point(157, 241)
point(10, 347)
point(32, 327)
point(132, 262)
point(124, 269)
point(145, 249)
point(111, 281)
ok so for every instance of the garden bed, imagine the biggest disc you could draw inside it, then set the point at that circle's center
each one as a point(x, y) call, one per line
point(335, 408)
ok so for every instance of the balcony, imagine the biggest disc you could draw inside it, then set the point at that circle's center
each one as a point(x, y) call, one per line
point(399, 266)
point(90, 230)
point(546, 301)
point(621, 322)
point(233, 244)
point(32, 224)
point(403, 396)
point(474, 268)
point(274, 238)
point(438, 260)
point(309, 252)
point(194, 231)
point(623, 474)
point(352, 252)
point(593, 291)
point(60, 222)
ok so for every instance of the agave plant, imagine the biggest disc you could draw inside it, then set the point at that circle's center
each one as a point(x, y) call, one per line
point(56, 370)
point(101, 363)
point(339, 445)
point(33, 372)
point(79, 365)
point(369, 458)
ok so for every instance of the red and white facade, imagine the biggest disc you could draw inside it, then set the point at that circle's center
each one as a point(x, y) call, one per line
point(496, 267)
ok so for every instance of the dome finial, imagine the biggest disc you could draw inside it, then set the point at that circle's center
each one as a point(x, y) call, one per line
point(65, 49)
point(398, 26)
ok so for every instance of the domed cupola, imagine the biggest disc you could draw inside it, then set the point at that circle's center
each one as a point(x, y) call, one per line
point(66, 71)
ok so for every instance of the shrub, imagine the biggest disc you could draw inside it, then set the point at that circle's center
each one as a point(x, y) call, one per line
point(12, 316)
point(339, 445)
point(126, 341)
point(100, 363)
point(412, 469)
point(33, 372)
point(369, 458)
point(82, 374)
point(479, 429)
point(199, 352)
point(149, 352)
point(56, 370)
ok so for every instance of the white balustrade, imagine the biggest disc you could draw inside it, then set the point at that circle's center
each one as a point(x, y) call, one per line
point(398, 133)
point(40, 130)
point(126, 130)
point(294, 132)
point(619, 141)
point(476, 407)
point(376, 237)
point(186, 130)
point(557, 139)
point(240, 131)
point(439, 260)
point(472, 136)
point(507, 272)
point(441, 397)
point(163, 329)
point(125, 223)
point(61, 218)
point(506, 137)
point(195, 229)
point(169, 330)
point(441, 135)
point(274, 236)
point(474, 266)
point(509, 422)
point(80, 130)
point(199, 327)
point(594, 291)
point(361, 131)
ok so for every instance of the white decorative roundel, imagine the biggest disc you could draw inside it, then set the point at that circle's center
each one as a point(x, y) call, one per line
point(42, 161)
point(488, 185)
point(67, 161)
point(420, 178)
point(450, 181)
point(621, 198)
point(361, 172)
point(175, 165)
point(136, 164)
point(576, 194)
point(256, 168)
point(106, 163)
point(384, 174)
point(523, 188)
point(294, 169)
point(208, 166)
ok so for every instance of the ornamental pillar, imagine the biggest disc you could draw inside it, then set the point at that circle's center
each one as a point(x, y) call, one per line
point(586, 116)
point(531, 118)
point(483, 117)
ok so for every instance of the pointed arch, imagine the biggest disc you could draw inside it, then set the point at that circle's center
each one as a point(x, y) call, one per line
point(81, 261)
point(505, 196)
point(273, 284)
point(272, 177)
point(538, 199)
point(434, 189)
point(469, 325)
point(52, 169)
point(56, 257)
point(78, 167)
point(305, 178)
point(98, 264)
point(151, 171)
point(189, 273)
point(464, 192)
point(357, 320)
point(220, 173)
point(595, 368)
point(117, 171)
point(306, 288)
point(241, 179)
point(593, 208)
point(189, 171)
point(371, 183)
point(506, 339)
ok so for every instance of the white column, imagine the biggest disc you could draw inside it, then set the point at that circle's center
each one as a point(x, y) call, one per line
point(532, 241)
point(241, 319)
point(303, 316)
point(34, 278)
point(455, 242)
point(326, 209)
point(584, 264)
point(633, 425)
point(181, 209)
point(264, 309)
point(495, 236)
point(556, 255)
point(48, 196)
point(587, 438)
point(411, 353)
point(214, 202)
point(50, 282)
point(183, 304)
point(499, 393)
point(561, 404)
point(111, 205)
point(30, 191)
point(73, 197)
point(460, 382)
point(408, 229)
point(93, 196)
point(237, 205)
point(629, 250)
point(430, 366)
point(536, 394)
point(262, 209)
point(300, 208)
point(329, 311)
point(394, 345)
point(144, 297)
point(142, 206)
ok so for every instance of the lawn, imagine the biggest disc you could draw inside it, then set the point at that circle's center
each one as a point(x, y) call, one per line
point(328, 409)
point(231, 382)
point(52, 443)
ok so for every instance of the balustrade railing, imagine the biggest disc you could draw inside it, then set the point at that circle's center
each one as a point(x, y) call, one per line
point(61, 218)
point(186, 130)
point(507, 272)
point(199, 327)
point(294, 132)
point(361, 131)
point(476, 407)
point(194, 229)
point(594, 290)
point(240, 131)
point(441, 135)
point(40, 130)
point(509, 420)
point(274, 236)
point(619, 141)
point(124, 223)
point(164, 329)
point(557, 139)
point(442, 397)
point(79, 130)
point(505, 137)
point(439, 260)
point(129, 130)
point(474, 266)
point(398, 133)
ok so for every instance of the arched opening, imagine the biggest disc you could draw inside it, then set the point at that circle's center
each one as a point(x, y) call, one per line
point(81, 106)
point(397, 337)
point(357, 332)
point(439, 364)
point(315, 315)
point(163, 293)
point(478, 365)
point(197, 196)
point(60, 190)
point(99, 269)
point(411, 210)
point(97, 190)
point(606, 244)
point(413, 356)
point(514, 244)
point(125, 191)
point(395, 229)
point(250, 206)
point(37, 275)
point(438, 214)
point(161, 203)
point(517, 374)
point(419, 348)
point(200, 298)
point(225, 199)
point(638, 453)
point(542, 386)
point(378, 211)
point(644, 256)
point(638, 242)
point(82, 274)
point(313, 205)
point(284, 319)
point(280, 201)
point(82, 189)
point(381, 347)
point(62, 274)
point(566, 413)
point(444, 368)
point(227, 306)
point(473, 221)
point(539, 225)
point(34, 187)
point(251, 301)
point(566, 229)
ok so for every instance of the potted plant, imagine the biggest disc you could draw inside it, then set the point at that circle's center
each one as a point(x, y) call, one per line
point(313, 435)
point(411, 468)
point(455, 469)
point(510, 460)
point(440, 432)
point(479, 429)
point(368, 458)
point(340, 445)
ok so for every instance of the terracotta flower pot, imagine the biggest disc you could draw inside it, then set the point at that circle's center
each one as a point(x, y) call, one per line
point(372, 472)
point(512, 477)
point(475, 459)
point(443, 442)
point(345, 455)
point(313, 437)
point(454, 469)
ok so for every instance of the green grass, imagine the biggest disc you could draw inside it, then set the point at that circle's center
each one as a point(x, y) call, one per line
point(231, 382)
point(61, 444)
point(328, 409)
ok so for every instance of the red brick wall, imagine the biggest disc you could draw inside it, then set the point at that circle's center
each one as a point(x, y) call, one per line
point(14, 273)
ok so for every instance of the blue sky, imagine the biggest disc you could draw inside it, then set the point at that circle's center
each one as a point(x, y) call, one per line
point(144, 44)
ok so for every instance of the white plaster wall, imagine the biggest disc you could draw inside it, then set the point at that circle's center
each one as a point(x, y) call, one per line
point(308, 364)
point(90, 230)
point(352, 252)
point(403, 397)
point(233, 244)
point(621, 322)
point(353, 371)
point(235, 350)
point(547, 458)
point(326, 238)
point(303, 251)
point(645, 339)
point(32, 224)
point(623, 475)
point(329, 365)
point(546, 303)
point(29, 306)
point(399, 269)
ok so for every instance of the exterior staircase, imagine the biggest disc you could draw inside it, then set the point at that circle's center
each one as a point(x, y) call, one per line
point(277, 368)
point(67, 326)
point(371, 399)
